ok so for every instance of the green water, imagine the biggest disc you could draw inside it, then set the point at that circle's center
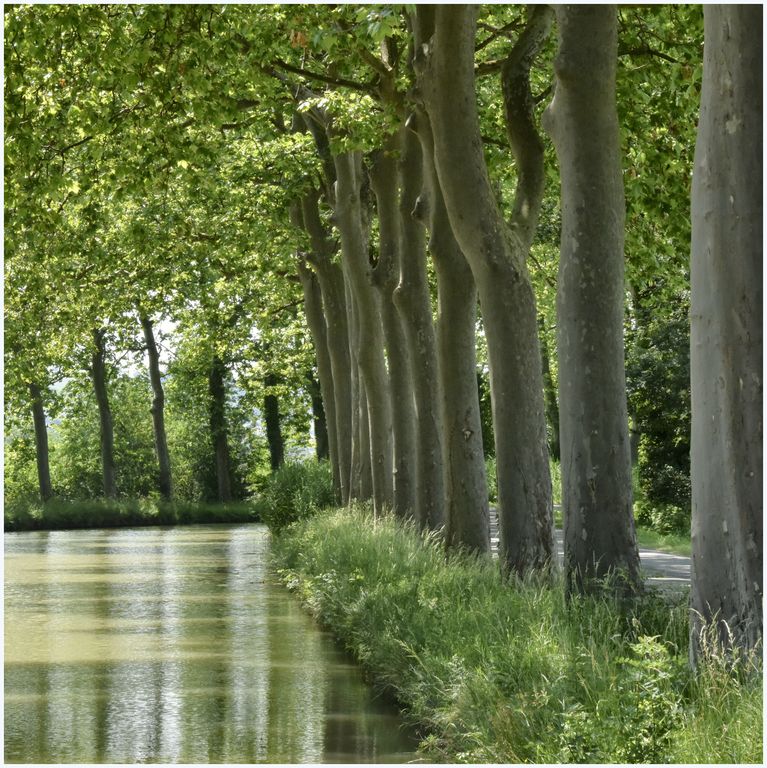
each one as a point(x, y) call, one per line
point(175, 645)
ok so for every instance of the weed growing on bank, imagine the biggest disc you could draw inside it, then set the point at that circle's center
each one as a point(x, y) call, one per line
point(507, 672)
point(297, 490)
point(58, 514)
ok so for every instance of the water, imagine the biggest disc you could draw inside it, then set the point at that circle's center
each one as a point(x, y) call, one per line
point(175, 645)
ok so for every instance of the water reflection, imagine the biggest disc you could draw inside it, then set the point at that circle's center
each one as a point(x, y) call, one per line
point(172, 645)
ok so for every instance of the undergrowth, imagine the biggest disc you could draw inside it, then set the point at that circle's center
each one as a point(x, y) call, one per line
point(58, 514)
point(508, 672)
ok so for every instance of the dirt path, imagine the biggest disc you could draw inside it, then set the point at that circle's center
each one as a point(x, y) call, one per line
point(663, 570)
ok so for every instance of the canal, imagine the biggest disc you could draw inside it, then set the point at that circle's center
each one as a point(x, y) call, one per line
point(175, 645)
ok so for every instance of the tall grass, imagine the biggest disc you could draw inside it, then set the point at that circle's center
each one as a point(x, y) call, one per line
point(507, 672)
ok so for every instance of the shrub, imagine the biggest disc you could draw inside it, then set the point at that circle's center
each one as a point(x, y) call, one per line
point(296, 491)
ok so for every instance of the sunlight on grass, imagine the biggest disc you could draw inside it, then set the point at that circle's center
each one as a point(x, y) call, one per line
point(492, 671)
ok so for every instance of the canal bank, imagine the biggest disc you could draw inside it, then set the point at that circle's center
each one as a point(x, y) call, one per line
point(502, 671)
point(175, 645)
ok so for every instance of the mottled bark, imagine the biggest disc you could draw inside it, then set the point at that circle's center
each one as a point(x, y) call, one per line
point(41, 443)
point(596, 457)
point(385, 276)
point(726, 354)
point(336, 315)
point(106, 430)
point(272, 422)
point(467, 523)
point(165, 482)
point(413, 302)
point(496, 254)
point(322, 392)
point(218, 428)
point(370, 348)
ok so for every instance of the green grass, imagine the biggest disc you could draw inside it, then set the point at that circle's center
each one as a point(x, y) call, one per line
point(508, 672)
point(58, 514)
point(674, 543)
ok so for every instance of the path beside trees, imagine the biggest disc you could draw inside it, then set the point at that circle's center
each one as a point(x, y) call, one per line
point(664, 570)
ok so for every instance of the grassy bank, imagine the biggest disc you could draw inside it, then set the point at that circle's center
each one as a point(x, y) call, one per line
point(508, 673)
point(57, 514)
point(296, 490)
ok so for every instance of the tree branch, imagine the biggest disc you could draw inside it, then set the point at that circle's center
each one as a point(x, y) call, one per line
point(488, 67)
point(526, 144)
point(338, 81)
point(647, 51)
point(495, 33)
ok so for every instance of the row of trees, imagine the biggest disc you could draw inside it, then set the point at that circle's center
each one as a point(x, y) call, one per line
point(196, 161)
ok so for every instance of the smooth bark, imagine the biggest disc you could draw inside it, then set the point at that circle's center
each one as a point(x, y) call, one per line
point(322, 392)
point(365, 463)
point(336, 312)
point(218, 428)
point(496, 254)
point(370, 348)
point(595, 449)
point(358, 405)
point(467, 522)
point(385, 276)
point(42, 456)
point(106, 429)
point(413, 302)
point(726, 334)
point(165, 481)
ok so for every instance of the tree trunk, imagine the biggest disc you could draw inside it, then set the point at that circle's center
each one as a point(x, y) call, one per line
point(272, 422)
point(158, 411)
point(726, 333)
point(323, 395)
point(365, 466)
point(413, 301)
point(319, 422)
point(99, 376)
point(496, 255)
point(218, 429)
point(359, 408)
point(385, 275)
point(41, 443)
point(467, 520)
point(336, 313)
point(596, 456)
point(370, 350)
point(550, 393)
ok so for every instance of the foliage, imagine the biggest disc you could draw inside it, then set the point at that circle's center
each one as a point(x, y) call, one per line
point(493, 672)
point(673, 543)
point(74, 442)
point(58, 514)
point(20, 472)
point(188, 429)
point(296, 491)
point(658, 383)
point(492, 479)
